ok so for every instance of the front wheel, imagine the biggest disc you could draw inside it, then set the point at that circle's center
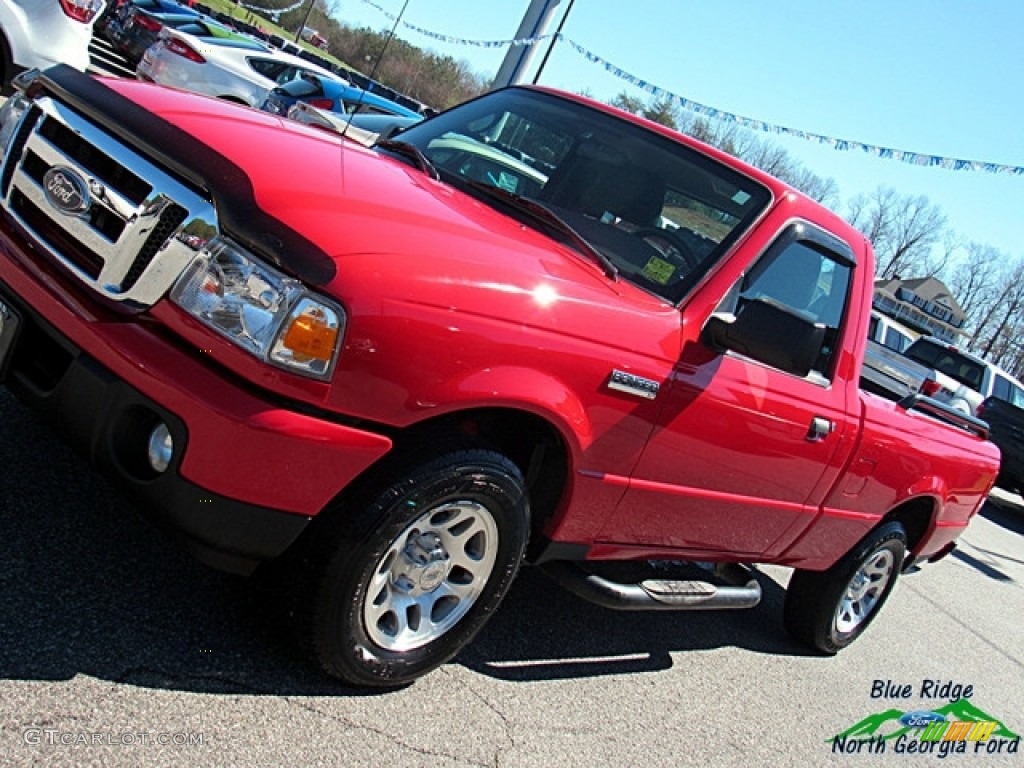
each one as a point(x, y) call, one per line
point(830, 609)
point(413, 577)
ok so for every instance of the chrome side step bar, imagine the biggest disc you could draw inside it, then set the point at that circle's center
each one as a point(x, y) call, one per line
point(659, 594)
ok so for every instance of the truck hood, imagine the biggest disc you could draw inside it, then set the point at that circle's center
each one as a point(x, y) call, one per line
point(383, 223)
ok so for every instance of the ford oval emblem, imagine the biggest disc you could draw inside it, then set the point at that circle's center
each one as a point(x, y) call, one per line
point(921, 718)
point(66, 190)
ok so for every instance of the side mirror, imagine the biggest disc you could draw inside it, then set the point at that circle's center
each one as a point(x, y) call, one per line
point(770, 333)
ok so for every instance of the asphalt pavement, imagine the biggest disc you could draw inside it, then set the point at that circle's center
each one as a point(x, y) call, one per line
point(117, 649)
point(112, 642)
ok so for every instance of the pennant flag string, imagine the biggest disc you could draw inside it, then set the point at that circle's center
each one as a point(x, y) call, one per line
point(273, 13)
point(888, 153)
point(914, 158)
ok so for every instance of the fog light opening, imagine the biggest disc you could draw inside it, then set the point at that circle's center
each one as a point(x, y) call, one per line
point(160, 448)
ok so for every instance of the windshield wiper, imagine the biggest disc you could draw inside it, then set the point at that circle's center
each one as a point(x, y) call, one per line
point(546, 216)
point(412, 152)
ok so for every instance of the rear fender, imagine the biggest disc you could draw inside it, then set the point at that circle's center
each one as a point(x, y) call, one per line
point(931, 486)
point(838, 529)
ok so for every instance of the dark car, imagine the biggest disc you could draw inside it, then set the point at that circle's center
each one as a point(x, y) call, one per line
point(117, 13)
point(1006, 422)
point(333, 96)
point(142, 28)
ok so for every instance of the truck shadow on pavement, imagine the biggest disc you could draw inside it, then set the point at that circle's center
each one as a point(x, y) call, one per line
point(88, 587)
point(1006, 510)
point(544, 633)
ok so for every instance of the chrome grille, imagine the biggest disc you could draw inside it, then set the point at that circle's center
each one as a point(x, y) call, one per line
point(17, 146)
point(127, 241)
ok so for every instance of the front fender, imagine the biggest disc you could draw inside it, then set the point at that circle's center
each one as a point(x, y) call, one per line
point(523, 389)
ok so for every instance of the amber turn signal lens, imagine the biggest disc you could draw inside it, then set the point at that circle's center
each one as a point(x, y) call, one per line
point(311, 335)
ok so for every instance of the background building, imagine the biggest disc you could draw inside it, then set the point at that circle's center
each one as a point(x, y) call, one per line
point(925, 305)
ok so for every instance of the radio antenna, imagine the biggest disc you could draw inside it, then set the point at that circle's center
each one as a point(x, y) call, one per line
point(554, 39)
point(376, 64)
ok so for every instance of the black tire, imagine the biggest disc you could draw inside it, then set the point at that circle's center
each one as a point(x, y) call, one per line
point(407, 578)
point(828, 610)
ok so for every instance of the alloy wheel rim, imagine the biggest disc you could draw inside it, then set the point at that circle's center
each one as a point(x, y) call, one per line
point(864, 591)
point(431, 575)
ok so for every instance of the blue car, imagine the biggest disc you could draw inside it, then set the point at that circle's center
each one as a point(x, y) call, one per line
point(333, 96)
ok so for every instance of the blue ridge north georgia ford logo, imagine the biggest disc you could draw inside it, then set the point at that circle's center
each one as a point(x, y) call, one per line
point(66, 190)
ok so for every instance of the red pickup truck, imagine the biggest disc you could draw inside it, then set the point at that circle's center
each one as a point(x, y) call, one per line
point(530, 329)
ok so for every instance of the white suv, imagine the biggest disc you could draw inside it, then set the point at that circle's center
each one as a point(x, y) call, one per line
point(966, 380)
point(41, 33)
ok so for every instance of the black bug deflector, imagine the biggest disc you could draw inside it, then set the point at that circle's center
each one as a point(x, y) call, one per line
point(196, 164)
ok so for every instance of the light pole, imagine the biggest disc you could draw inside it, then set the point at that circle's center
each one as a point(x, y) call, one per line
point(302, 26)
point(534, 23)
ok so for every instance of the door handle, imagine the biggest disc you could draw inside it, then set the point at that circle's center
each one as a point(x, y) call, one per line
point(820, 429)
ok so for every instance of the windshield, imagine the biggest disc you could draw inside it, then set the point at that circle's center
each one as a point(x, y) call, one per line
point(661, 212)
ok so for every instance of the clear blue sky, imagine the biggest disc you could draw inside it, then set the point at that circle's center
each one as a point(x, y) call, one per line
point(940, 78)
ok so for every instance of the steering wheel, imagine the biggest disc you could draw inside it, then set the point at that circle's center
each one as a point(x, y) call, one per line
point(670, 245)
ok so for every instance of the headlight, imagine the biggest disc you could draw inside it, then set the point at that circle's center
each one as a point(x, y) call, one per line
point(261, 310)
point(11, 115)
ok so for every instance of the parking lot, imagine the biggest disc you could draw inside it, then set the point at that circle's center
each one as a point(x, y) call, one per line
point(118, 649)
point(113, 641)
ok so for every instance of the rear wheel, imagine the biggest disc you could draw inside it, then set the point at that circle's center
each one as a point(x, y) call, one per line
point(408, 581)
point(830, 609)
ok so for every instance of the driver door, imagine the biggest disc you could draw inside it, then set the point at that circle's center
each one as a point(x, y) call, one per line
point(741, 448)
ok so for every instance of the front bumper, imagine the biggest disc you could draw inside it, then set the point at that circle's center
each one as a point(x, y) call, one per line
point(247, 473)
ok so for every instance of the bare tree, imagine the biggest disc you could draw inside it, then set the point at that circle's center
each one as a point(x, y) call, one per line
point(628, 103)
point(766, 155)
point(993, 334)
point(730, 137)
point(662, 111)
point(903, 229)
point(871, 215)
point(724, 136)
point(821, 188)
point(974, 279)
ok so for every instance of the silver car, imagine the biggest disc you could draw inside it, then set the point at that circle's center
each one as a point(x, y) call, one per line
point(364, 128)
point(41, 33)
point(236, 68)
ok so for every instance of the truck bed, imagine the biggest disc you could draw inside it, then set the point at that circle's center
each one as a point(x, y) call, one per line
point(889, 373)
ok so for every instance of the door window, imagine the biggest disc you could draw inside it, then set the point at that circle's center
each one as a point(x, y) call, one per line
point(1006, 390)
point(807, 272)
